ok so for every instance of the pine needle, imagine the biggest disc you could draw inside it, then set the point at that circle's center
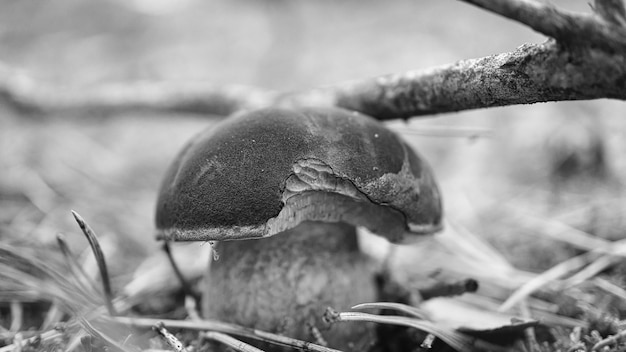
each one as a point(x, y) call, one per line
point(75, 268)
point(454, 339)
point(97, 252)
point(226, 328)
point(560, 270)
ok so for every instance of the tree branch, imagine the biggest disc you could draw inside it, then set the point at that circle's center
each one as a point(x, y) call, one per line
point(564, 26)
point(27, 95)
point(586, 59)
point(530, 74)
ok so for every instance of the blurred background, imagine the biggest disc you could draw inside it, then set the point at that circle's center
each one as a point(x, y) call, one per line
point(497, 167)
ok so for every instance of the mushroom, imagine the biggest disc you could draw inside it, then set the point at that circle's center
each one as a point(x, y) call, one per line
point(282, 191)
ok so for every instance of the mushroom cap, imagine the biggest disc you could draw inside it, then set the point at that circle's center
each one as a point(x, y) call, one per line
point(262, 172)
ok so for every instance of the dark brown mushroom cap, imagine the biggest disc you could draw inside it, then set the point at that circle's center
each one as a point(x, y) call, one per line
point(262, 172)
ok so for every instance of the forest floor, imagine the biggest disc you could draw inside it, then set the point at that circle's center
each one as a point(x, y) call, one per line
point(504, 186)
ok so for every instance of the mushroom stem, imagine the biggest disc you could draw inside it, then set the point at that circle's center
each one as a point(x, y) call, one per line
point(284, 283)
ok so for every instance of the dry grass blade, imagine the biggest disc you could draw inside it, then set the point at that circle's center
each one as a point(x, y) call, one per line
point(230, 342)
point(454, 339)
point(232, 329)
point(593, 269)
point(97, 251)
point(610, 287)
point(169, 338)
point(413, 311)
point(556, 272)
point(600, 262)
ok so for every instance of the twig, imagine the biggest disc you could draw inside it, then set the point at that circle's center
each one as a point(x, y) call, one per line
point(28, 95)
point(97, 252)
point(226, 328)
point(530, 74)
point(564, 26)
point(230, 342)
point(170, 339)
point(448, 289)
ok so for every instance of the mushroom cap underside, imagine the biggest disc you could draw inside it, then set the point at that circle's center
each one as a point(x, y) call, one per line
point(260, 173)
